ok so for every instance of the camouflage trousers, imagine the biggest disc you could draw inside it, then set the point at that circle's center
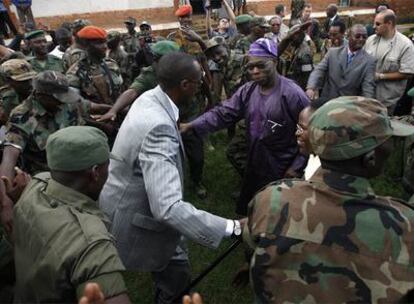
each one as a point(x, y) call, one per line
point(238, 148)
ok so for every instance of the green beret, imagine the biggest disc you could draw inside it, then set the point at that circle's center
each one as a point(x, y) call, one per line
point(243, 19)
point(34, 34)
point(77, 148)
point(164, 47)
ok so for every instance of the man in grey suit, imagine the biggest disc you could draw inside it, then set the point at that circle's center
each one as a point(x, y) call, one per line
point(143, 196)
point(345, 71)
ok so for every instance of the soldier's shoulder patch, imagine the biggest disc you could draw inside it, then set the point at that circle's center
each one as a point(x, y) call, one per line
point(112, 65)
point(20, 114)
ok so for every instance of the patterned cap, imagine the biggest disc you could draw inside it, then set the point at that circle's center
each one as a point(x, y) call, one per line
point(77, 148)
point(263, 47)
point(131, 20)
point(17, 69)
point(112, 35)
point(164, 47)
point(259, 21)
point(79, 24)
point(215, 41)
point(243, 19)
point(350, 126)
point(57, 85)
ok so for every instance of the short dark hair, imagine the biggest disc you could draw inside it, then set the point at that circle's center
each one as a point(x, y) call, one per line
point(340, 24)
point(279, 8)
point(333, 7)
point(307, 5)
point(174, 67)
point(63, 33)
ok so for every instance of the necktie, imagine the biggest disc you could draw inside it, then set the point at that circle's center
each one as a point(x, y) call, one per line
point(350, 58)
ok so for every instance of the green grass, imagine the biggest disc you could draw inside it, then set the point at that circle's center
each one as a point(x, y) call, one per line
point(221, 180)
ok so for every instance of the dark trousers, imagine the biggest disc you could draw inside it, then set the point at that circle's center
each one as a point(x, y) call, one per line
point(26, 16)
point(194, 150)
point(171, 282)
point(5, 22)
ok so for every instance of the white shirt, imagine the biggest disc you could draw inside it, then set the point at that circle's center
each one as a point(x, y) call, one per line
point(57, 52)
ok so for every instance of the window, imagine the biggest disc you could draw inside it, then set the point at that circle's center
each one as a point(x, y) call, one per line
point(344, 2)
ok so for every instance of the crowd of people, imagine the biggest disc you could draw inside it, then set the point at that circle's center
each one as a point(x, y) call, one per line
point(99, 127)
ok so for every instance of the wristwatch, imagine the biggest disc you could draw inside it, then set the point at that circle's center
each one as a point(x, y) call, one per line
point(237, 231)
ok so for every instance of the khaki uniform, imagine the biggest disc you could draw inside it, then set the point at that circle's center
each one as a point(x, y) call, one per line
point(146, 81)
point(30, 125)
point(99, 83)
point(60, 244)
point(52, 63)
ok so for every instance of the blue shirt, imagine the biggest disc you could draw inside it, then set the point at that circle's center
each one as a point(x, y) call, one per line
point(2, 7)
point(22, 2)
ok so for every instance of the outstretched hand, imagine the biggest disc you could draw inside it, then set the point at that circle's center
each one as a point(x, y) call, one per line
point(15, 188)
point(92, 294)
point(195, 299)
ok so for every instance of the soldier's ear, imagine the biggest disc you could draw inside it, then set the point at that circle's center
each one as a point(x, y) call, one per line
point(368, 161)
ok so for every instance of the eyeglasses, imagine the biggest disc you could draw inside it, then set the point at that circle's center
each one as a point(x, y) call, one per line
point(361, 36)
point(378, 23)
point(261, 65)
point(275, 24)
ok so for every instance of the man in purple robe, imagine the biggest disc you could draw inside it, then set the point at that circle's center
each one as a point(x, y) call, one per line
point(270, 105)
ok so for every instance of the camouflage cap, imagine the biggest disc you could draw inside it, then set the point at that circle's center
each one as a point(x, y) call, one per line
point(259, 21)
point(77, 148)
point(34, 34)
point(164, 47)
point(17, 69)
point(350, 126)
point(79, 24)
point(112, 35)
point(131, 20)
point(57, 85)
point(243, 19)
point(213, 42)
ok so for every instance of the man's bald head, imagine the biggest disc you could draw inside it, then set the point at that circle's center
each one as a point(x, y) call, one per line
point(385, 23)
point(389, 16)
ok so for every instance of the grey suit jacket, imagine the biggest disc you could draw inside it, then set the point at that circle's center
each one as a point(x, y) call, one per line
point(336, 78)
point(143, 194)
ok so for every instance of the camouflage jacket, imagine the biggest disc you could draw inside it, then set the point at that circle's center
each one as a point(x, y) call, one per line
point(52, 63)
point(72, 55)
point(329, 240)
point(131, 43)
point(100, 83)
point(30, 125)
point(187, 46)
point(234, 73)
point(9, 99)
point(242, 45)
point(121, 58)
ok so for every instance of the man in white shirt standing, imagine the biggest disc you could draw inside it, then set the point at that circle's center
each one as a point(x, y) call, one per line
point(394, 53)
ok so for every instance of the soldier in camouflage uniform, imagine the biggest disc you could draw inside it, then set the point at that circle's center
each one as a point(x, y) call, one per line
point(258, 28)
point(146, 81)
point(41, 60)
point(52, 105)
point(331, 239)
point(117, 54)
point(243, 29)
point(130, 42)
point(77, 50)
point(192, 44)
point(98, 78)
point(296, 59)
point(18, 74)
